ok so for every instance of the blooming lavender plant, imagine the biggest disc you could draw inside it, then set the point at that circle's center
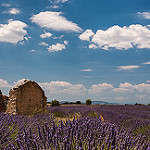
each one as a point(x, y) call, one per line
point(80, 133)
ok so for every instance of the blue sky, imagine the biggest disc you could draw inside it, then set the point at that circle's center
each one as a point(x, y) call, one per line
point(77, 49)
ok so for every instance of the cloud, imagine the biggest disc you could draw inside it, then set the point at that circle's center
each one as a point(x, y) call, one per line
point(125, 93)
point(85, 36)
point(32, 50)
point(57, 47)
point(46, 35)
point(143, 88)
point(63, 1)
point(26, 38)
point(92, 46)
point(99, 88)
point(146, 63)
point(54, 21)
point(59, 37)
point(131, 67)
point(5, 4)
point(86, 70)
point(63, 89)
point(13, 32)
point(58, 1)
point(148, 81)
point(124, 87)
point(43, 43)
point(120, 37)
point(86, 76)
point(55, 6)
point(12, 11)
point(19, 82)
point(21, 43)
point(4, 83)
point(128, 68)
point(66, 42)
point(145, 15)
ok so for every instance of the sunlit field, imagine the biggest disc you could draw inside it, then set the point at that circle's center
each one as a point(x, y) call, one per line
point(95, 127)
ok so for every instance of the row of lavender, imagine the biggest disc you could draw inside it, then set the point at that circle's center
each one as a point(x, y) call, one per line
point(41, 132)
point(132, 117)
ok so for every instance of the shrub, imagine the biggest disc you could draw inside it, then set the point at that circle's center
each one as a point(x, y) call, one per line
point(55, 103)
point(88, 102)
point(92, 114)
point(78, 102)
point(74, 114)
point(72, 103)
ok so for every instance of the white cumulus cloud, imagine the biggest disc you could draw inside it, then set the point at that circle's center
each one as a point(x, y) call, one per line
point(148, 81)
point(92, 46)
point(63, 87)
point(85, 36)
point(12, 11)
point(43, 43)
point(19, 81)
point(119, 37)
point(57, 47)
point(145, 15)
point(143, 88)
point(66, 42)
point(12, 32)
point(63, 90)
point(54, 21)
point(4, 83)
point(124, 87)
point(46, 35)
point(99, 88)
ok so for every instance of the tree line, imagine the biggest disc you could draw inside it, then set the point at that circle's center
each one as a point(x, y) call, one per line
point(57, 103)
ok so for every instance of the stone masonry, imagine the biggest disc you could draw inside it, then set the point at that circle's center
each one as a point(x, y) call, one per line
point(26, 98)
point(2, 103)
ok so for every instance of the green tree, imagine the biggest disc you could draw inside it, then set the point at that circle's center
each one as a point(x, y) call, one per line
point(55, 103)
point(88, 102)
point(78, 102)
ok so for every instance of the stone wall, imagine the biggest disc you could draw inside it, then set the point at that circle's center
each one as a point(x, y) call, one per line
point(26, 98)
point(2, 103)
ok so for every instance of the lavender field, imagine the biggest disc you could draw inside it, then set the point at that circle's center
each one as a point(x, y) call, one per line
point(95, 127)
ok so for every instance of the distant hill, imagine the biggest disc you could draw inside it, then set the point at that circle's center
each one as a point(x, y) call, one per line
point(103, 103)
point(93, 102)
point(63, 102)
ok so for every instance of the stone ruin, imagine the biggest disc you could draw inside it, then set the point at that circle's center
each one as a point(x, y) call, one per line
point(26, 98)
point(2, 103)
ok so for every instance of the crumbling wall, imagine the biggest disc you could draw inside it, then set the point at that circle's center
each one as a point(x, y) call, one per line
point(2, 102)
point(26, 98)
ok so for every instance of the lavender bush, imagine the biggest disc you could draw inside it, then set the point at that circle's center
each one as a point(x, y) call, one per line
point(82, 133)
